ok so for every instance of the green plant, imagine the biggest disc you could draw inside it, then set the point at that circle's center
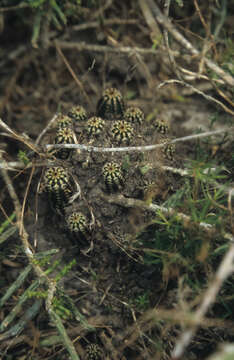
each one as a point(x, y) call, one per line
point(181, 244)
point(6, 223)
point(62, 304)
point(22, 156)
point(56, 13)
point(142, 302)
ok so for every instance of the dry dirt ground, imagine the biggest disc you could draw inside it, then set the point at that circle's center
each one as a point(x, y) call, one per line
point(111, 284)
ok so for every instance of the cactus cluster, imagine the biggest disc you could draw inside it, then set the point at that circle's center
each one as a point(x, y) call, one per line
point(113, 125)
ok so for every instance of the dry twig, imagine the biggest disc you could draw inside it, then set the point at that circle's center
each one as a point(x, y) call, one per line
point(91, 148)
point(226, 268)
point(165, 22)
point(197, 91)
point(79, 83)
point(82, 46)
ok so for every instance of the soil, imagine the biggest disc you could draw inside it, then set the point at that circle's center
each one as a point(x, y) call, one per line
point(111, 279)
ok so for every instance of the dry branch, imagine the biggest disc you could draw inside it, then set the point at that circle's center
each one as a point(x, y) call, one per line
point(90, 148)
point(166, 23)
point(197, 91)
point(226, 268)
point(82, 46)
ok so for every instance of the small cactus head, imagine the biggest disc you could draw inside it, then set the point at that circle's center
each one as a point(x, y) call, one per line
point(169, 151)
point(56, 178)
point(77, 113)
point(57, 184)
point(95, 125)
point(113, 176)
point(122, 131)
point(77, 223)
point(64, 136)
point(93, 352)
point(63, 121)
point(134, 115)
point(111, 104)
point(161, 126)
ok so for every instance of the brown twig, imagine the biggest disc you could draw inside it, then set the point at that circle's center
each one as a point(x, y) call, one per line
point(156, 33)
point(101, 10)
point(25, 198)
point(201, 16)
point(18, 137)
point(165, 35)
point(44, 131)
point(105, 23)
point(12, 8)
point(79, 83)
